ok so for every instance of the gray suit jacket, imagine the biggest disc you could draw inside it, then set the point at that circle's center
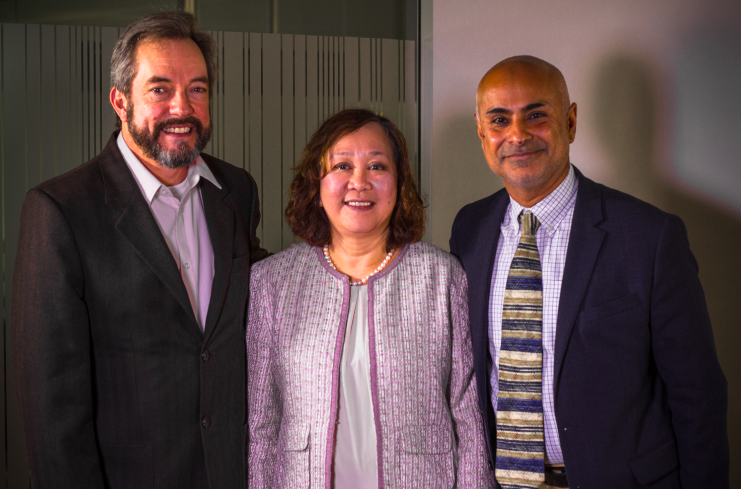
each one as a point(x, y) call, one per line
point(116, 383)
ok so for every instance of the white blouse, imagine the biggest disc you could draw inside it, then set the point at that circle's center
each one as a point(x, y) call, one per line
point(355, 463)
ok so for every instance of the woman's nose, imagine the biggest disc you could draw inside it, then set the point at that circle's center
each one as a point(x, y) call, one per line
point(359, 179)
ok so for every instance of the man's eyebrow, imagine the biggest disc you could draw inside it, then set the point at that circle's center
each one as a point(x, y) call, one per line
point(158, 79)
point(501, 110)
point(162, 79)
point(498, 110)
point(533, 106)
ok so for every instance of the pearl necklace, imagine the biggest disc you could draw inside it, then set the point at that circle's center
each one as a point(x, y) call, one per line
point(365, 280)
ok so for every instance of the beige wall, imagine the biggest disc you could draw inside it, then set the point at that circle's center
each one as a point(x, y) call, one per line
point(656, 87)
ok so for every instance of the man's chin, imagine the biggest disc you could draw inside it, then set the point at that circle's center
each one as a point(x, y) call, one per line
point(172, 150)
point(175, 142)
point(523, 161)
point(177, 158)
point(525, 179)
point(521, 171)
point(175, 147)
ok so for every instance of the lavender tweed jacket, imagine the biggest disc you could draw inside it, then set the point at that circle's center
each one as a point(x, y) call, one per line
point(428, 423)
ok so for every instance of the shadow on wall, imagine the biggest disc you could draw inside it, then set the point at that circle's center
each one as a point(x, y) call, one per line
point(626, 108)
point(462, 175)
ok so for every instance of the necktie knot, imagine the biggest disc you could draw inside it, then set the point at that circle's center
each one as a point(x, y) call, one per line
point(530, 223)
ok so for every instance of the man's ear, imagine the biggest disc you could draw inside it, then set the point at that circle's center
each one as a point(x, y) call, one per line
point(119, 103)
point(571, 121)
point(479, 129)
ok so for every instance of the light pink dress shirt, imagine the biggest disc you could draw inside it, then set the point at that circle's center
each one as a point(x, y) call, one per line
point(178, 211)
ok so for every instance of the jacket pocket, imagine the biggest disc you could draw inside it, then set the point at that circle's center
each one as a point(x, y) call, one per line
point(240, 264)
point(292, 469)
point(127, 466)
point(611, 308)
point(425, 458)
point(295, 437)
point(655, 463)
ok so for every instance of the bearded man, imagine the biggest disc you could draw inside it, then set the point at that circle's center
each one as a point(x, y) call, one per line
point(130, 287)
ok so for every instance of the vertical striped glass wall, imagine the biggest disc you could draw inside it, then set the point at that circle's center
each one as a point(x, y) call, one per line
point(272, 92)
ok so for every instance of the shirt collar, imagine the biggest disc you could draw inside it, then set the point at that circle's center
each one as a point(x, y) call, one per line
point(551, 210)
point(149, 184)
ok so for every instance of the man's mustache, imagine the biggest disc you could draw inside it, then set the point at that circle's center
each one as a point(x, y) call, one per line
point(529, 147)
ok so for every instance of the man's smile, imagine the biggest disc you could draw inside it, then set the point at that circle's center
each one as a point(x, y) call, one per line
point(177, 130)
point(518, 156)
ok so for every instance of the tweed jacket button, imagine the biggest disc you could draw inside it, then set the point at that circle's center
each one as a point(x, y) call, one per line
point(206, 355)
point(205, 421)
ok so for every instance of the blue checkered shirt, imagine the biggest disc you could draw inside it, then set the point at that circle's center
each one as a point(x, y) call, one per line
point(555, 213)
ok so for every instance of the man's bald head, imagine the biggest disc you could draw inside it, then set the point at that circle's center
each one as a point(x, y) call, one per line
point(524, 65)
point(526, 124)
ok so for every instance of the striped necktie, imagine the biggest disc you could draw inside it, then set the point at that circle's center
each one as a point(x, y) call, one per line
point(520, 439)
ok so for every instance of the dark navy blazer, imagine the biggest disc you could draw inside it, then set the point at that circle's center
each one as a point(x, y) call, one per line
point(640, 397)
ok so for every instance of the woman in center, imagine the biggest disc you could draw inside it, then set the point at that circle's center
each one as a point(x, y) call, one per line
point(360, 367)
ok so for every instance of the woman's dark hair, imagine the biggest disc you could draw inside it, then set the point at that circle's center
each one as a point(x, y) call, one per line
point(307, 218)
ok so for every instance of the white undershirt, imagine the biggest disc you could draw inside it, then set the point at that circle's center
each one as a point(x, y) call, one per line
point(355, 463)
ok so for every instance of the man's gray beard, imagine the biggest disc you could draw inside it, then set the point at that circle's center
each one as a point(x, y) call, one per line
point(184, 155)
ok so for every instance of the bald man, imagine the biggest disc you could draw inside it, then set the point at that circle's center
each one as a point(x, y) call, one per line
point(594, 354)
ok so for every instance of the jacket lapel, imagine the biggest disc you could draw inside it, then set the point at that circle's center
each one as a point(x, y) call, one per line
point(479, 268)
point(137, 224)
point(585, 242)
point(220, 220)
point(484, 249)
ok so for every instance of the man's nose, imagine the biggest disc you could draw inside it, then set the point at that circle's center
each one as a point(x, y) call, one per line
point(519, 132)
point(180, 104)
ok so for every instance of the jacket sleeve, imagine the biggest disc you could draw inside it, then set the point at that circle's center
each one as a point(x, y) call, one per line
point(453, 241)
point(473, 460)
point(684, 349)
point(257, 253)
point(52, 350)
point(264, 405)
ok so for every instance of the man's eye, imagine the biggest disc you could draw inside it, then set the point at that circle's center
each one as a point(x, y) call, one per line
point(537, 115)
point(498, 120)
point(158, 90)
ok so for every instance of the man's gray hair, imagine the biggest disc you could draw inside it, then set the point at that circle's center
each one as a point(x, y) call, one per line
point(158, 27)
